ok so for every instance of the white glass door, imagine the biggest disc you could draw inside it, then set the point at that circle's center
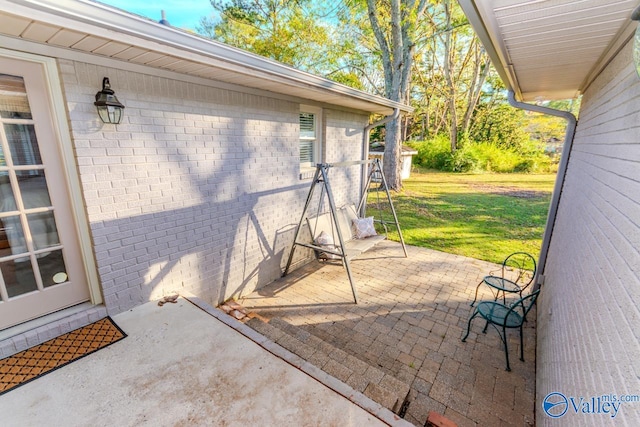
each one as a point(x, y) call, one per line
point(40, 265)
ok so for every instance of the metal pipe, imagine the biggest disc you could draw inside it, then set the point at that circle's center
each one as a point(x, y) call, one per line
point(365, 145)
point(562, 172)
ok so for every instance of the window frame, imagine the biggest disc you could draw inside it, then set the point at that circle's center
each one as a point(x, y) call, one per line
point(316, 140)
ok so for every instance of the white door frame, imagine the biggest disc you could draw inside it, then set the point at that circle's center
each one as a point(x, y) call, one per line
point(58, 111)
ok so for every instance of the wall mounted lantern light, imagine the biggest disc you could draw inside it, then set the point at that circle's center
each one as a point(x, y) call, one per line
point(635, 16)
point(109, 108)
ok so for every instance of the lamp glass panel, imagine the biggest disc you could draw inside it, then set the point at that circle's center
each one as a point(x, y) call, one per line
point(102, 112)
point(114, 114)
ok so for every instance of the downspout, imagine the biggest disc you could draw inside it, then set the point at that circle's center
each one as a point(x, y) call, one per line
point(562, 172)
point(365, 145)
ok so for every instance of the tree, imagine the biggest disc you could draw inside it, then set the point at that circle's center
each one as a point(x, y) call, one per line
point(462, 65)
point(500, 125)
point(394, 24)
point(293, 32)
point(480, 70)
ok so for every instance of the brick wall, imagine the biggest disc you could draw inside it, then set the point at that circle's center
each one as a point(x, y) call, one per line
point(198, 188)
point(589, 312)
point(342, 132)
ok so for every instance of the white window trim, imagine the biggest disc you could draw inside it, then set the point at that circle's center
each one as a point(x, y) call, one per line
point(305, 168)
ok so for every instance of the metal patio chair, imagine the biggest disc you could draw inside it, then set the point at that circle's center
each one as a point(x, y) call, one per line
point(503, 317)
point(518, 272)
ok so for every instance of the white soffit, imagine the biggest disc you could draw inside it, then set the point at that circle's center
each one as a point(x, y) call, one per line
point(91, 27)
point(550, 49)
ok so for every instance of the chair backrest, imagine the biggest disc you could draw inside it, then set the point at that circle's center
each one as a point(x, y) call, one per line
point(520, 268)
point(324, 222)
point(524, 304)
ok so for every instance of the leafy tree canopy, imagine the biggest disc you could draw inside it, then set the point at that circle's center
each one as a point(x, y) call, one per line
point(293, 32)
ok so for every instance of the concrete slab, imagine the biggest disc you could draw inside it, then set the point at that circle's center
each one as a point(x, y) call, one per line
point(179, 366)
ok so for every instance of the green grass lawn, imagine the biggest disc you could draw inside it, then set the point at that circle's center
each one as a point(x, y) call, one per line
point(483, 216)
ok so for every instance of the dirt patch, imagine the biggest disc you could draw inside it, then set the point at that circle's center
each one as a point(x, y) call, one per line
point(508, 191)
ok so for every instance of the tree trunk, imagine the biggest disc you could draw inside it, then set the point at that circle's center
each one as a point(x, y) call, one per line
point(453, 129)
point(425, 124)
point(396, 42)
point(451, 88)
point(392, 161)
point(476, 88)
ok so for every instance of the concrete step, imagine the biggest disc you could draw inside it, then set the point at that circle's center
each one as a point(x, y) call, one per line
point(369, 380)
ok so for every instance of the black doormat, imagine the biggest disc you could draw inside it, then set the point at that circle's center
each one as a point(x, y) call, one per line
point(37, 361)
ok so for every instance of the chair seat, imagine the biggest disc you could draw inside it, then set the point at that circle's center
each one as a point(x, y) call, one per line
point(501, 284)
point(495, 313)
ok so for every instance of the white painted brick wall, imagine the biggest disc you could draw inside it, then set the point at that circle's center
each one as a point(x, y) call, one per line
point(345, 144)
point(589, 311)
point(198, 189)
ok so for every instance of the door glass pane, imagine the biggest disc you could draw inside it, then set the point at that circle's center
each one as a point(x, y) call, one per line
point(23, 144)
point(52, 269)
point(3, 162)
point(13, 102)
point(33, 187)
point(5, 246)
point(7, 201)
point(43, 230)
point(12, 240)
point(18, 276)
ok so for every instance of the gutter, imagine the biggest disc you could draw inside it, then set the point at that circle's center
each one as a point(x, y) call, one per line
point(365, 146)
point(562, 172)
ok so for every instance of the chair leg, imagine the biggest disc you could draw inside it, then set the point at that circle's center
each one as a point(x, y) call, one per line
point(521, 345)
point(522, 305)
point(506, 348)
point(476, 297)
point(484, 331)
point(464, 339)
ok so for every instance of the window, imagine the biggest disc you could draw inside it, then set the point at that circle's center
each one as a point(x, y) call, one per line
point(310, 136)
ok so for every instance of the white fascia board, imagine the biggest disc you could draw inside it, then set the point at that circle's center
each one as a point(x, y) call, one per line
point(95, 18)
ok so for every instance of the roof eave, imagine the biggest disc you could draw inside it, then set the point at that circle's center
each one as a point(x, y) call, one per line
point(500, 63)
point(90, 16)
point(481, 17)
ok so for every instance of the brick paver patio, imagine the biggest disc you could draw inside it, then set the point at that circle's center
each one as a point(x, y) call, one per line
point(407, 326)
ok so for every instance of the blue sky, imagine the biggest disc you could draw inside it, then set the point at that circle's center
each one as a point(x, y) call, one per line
point(180, 13)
